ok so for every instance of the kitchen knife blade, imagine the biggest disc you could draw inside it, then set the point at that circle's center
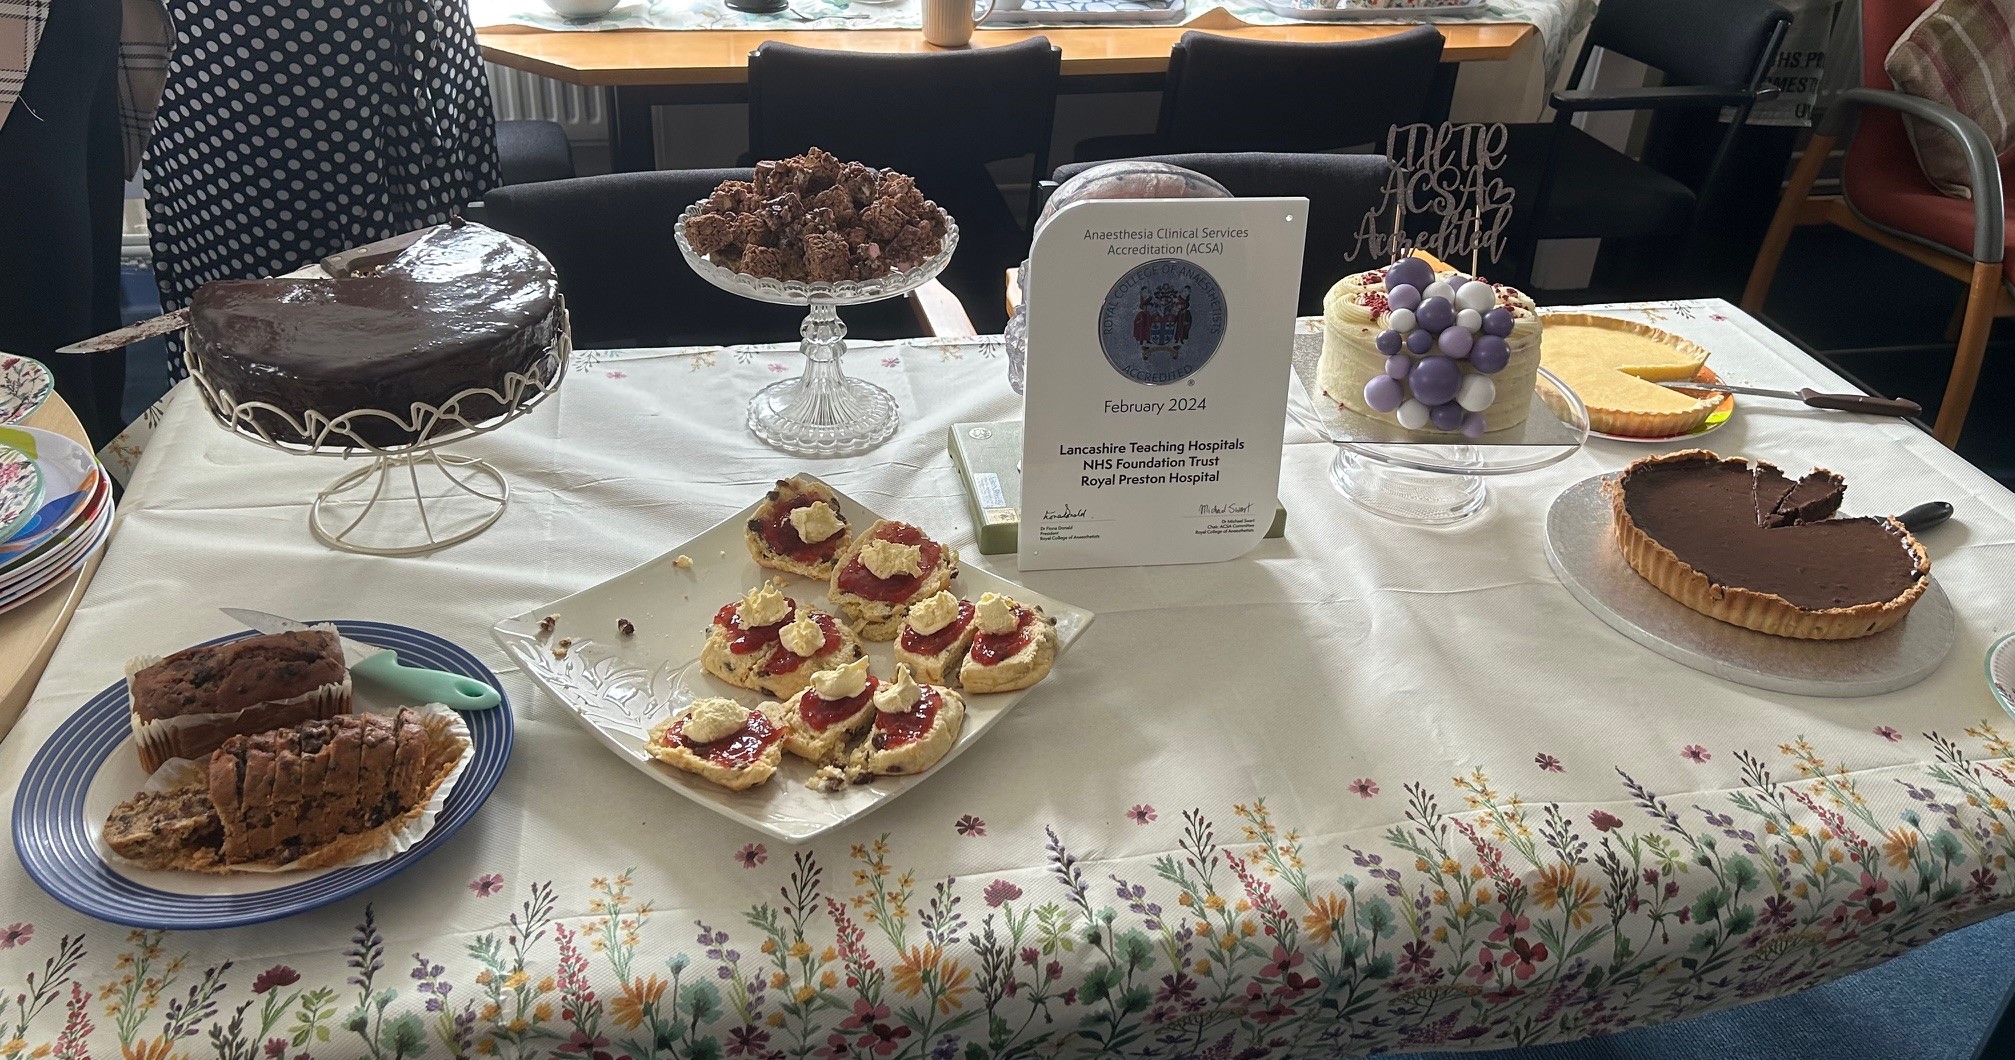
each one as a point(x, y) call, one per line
point(1874, 406)
point(382, 665)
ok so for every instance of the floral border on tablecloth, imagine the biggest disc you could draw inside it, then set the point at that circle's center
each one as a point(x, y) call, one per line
point(1483, 920)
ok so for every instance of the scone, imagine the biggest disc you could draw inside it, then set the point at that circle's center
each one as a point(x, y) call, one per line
point(799, 528)
point(885, 570)
point(809, 643)
point(934, 638)
point(821, 719)
point(914, 726)
point(722, 741)
point(745, 643)
point(1013, 646)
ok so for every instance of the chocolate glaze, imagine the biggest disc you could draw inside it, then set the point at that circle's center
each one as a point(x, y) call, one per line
point(458, 309)
point(1709, 512)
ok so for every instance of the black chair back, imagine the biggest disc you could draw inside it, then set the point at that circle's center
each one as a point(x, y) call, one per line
point(1228, 94)
point(1341, 190)
point(610, 239)
point(1698, 42)
point(920, 114)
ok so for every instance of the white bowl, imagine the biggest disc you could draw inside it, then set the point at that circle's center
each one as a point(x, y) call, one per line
point(582, 8)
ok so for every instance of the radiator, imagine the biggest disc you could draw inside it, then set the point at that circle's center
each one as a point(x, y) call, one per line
point(518, 95)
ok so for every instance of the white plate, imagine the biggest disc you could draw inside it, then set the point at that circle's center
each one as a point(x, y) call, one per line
point(77, 558)
point(621, 686)
point(59, 550)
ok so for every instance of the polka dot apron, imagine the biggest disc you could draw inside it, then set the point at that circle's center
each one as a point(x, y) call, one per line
point(292, 129)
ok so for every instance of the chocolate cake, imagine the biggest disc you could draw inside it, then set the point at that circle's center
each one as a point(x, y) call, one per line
point(816, 219)
point(457, 309)
point(329, 788)
point(186, 705)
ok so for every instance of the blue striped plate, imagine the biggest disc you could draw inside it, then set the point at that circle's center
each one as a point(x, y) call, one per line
point(55, 830)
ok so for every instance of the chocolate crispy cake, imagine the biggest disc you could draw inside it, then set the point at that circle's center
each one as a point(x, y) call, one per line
point(317, 793)
point(457, 309)
point(816, 219)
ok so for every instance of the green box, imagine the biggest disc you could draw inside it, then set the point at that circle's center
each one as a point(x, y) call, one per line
point(988, 458)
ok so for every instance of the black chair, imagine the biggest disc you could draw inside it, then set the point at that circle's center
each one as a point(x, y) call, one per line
point(1341, 190)
point(941, 117)
point(1714, 55)
point(532, 151)
point(1228, 94)
point(610, 239)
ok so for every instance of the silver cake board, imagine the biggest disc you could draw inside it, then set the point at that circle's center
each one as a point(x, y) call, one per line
point(1541, 426)
point(1581, 546)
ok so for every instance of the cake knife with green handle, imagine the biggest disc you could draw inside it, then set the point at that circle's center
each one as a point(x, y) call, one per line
point(382, 665)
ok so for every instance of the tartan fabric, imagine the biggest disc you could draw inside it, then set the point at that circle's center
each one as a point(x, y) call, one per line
point(1960, 53)
point(143, 59)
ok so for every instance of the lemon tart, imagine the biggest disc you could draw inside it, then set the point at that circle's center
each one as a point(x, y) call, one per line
point(1615, 367)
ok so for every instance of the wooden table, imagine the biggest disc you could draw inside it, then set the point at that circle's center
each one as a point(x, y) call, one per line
point(28, 634)
point(640, 69)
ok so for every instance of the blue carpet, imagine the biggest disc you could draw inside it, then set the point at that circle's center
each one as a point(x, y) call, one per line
point(1936, 1003)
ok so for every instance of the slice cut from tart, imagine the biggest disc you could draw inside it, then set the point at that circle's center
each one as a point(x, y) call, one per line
point(934, 638)
point(914, 727)
point(885, 569)
point(1615, 367)
point(1013, 646)
point(799, 528)
point(829, 712)
point(722, 741)
point(1744, 544)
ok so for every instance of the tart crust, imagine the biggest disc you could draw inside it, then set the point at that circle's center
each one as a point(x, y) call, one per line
point(1749, 608)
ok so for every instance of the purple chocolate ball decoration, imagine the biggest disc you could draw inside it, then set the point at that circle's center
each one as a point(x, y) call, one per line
point(1420, 341)
point(1445, 417)
point(1435, 314)
point(1456, 342)
point(1472, 425)
point(1404, 296)
point(1389, 341)
point(1498, 322)
point(1412, 272)
point(1490, 354)
point(1383, 393)
point(1435, 380)
point(1398, 366)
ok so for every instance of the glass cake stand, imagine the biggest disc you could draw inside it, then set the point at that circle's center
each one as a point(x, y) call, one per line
point(1424, 478)
point(823, 412)
point(452, 497)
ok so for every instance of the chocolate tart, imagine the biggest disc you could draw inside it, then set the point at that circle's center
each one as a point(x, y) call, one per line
point(1747, 545)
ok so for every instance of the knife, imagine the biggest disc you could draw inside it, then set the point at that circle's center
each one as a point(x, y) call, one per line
point(382, 665)
point(1874, 406)
point(146, 329)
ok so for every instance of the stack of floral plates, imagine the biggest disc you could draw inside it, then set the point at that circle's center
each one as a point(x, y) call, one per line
point(67, 521)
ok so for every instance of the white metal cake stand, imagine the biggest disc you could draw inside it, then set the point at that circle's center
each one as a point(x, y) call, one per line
point(823, 412)
point(452, 498)
point(1423, 478)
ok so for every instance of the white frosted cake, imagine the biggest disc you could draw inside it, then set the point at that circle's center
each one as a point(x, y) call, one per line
point(1430, 349)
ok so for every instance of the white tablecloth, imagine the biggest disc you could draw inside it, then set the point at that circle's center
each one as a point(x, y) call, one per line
point(1368, 787)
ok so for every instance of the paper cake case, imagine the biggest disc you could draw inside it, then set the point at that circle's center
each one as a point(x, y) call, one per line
point(196, 735)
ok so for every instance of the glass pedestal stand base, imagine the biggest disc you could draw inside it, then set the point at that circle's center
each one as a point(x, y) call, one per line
point(431, 500)
point(1409, 495)
point(823, 412)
